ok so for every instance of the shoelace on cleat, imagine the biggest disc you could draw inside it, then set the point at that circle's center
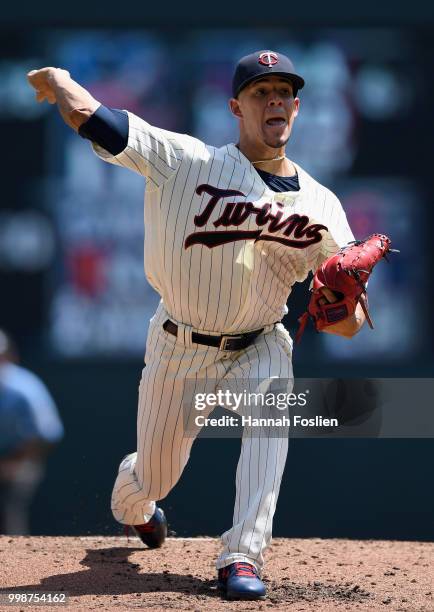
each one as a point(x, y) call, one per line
point(146, 527)
point(245, 569)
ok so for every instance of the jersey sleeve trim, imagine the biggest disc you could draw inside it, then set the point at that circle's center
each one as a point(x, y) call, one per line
point(151, 152)
point(339, 233)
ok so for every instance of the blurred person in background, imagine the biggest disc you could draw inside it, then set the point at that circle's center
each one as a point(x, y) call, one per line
point(30, 427)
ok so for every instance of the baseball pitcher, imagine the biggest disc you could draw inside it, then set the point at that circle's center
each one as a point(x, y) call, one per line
point(229, 231)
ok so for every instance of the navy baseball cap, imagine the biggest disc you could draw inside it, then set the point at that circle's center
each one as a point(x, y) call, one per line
point(263, 63)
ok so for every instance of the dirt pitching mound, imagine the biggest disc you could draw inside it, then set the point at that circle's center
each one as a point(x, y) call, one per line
point(110, 573)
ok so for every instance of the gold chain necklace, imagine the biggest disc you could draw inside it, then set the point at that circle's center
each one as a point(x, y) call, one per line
point(264, 161)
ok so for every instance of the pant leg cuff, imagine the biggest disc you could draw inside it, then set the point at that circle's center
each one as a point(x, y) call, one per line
point(127, 517)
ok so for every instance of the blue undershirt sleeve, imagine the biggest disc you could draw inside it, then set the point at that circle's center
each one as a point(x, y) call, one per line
point(107, 127)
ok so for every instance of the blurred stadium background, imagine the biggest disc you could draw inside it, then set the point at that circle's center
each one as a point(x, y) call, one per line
point(71, 258)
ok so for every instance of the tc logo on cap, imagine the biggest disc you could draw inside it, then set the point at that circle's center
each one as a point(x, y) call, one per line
point(268, 58)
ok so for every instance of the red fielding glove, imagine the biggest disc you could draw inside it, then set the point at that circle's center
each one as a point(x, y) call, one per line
point(346, 275)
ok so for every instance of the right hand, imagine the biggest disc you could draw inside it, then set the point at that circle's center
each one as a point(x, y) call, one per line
point(41, 80)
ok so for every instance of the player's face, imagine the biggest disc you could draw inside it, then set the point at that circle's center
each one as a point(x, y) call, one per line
point(266, 109)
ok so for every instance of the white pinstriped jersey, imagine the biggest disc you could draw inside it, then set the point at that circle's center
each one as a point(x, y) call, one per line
point(221, 248)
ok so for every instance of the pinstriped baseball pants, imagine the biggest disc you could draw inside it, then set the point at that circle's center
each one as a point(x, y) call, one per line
point(163, 448)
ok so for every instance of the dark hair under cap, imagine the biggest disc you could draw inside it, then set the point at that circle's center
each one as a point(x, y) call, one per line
point(263, 63)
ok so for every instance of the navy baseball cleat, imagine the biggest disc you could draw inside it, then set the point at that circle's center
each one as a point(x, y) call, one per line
point(240, 581)
point(154, 532)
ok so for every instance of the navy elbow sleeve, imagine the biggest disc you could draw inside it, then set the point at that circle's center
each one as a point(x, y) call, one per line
point(107, 127)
